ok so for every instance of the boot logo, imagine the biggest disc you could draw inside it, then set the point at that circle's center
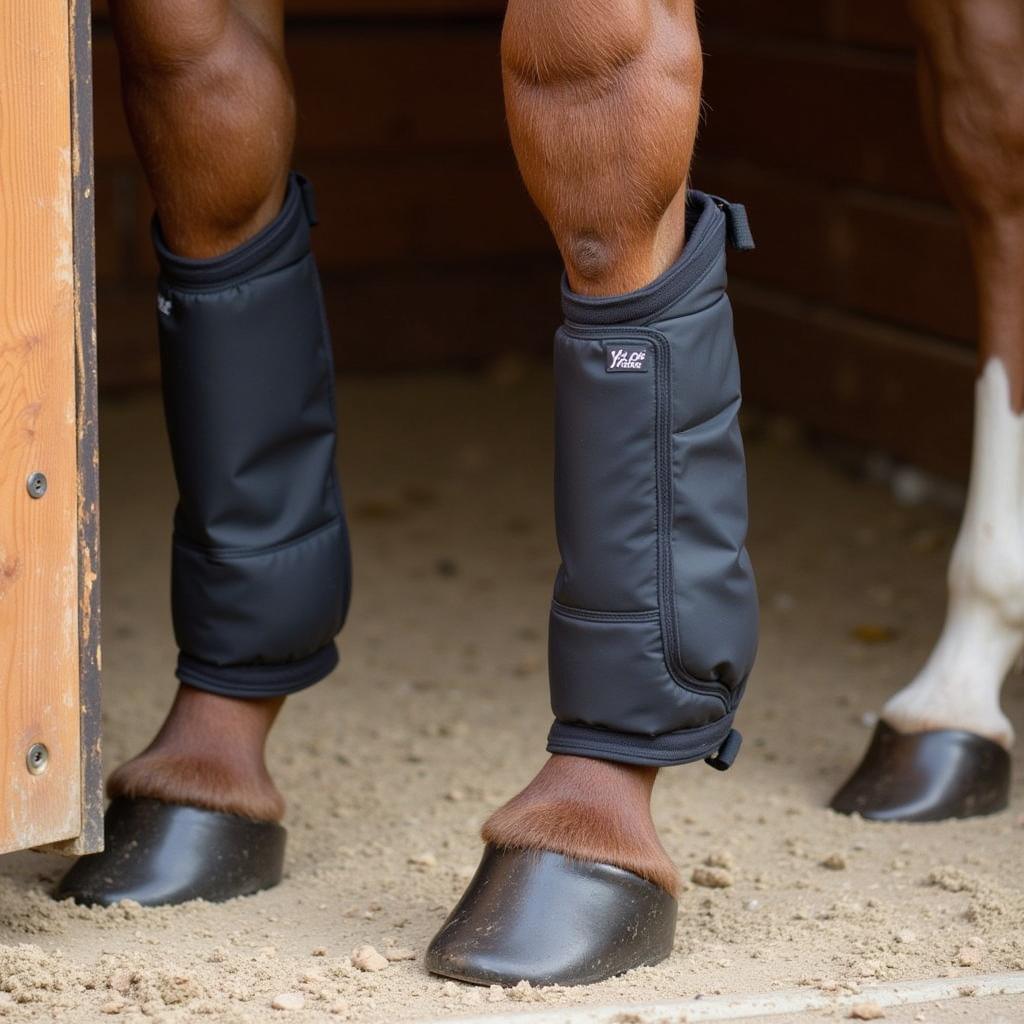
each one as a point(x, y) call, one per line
point(163, 305)
point(621, 357)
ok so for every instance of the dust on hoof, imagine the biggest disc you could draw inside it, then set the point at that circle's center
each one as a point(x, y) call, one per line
point(926, 776)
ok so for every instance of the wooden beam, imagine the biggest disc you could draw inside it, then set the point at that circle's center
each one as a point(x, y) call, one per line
point(90, 836)
point(45, 384)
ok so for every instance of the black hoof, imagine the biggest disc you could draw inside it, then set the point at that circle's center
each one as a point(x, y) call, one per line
point(927, 776)
point(549, 920)
point(159, 854)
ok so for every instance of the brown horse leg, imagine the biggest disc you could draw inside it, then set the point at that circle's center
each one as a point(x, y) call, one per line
point(208, 753)
point(603, 103)
point(940, 750)
point(209, 103)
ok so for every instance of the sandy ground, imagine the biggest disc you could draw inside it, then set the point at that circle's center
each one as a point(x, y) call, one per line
point(439, 711)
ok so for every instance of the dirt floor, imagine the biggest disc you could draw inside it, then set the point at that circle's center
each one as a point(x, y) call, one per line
point(439, 712)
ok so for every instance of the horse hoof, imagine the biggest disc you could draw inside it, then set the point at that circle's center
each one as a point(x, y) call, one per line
point(158, 854)
point(544, 918)
point(927, 776)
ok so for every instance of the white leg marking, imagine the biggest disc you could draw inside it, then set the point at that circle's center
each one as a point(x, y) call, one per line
point(983, 636)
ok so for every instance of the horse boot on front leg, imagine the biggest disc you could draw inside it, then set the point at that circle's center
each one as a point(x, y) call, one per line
point(261, 573)
point(653, 625)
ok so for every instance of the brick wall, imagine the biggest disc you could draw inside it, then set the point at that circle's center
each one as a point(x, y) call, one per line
point(856, 312)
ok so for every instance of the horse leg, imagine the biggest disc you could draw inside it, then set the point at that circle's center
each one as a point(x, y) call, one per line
point(603, 102)
point(944, 737)
point(208, 100)
point(618, 224)
point(209, 103)
point(613, 191)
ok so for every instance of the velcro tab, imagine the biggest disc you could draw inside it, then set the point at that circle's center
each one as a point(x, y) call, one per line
point(726, 753)
point(737, 225)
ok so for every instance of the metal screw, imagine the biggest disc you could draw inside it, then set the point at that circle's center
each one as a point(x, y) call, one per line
point(36, 485)
point(37, 758)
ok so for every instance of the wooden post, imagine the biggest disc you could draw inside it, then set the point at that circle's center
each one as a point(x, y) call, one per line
point(49, 546)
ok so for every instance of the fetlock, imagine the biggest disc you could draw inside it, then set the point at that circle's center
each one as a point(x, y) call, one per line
point(959, 686)
point(196, 780)
point(590, 811)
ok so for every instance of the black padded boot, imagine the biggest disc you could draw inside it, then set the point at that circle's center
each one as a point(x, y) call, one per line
point(261, 567)
point(654, 618)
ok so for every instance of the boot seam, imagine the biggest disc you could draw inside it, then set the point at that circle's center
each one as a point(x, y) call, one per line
point(254, 552)
point(593, 615)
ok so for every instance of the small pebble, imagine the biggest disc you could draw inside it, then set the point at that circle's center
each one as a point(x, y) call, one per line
point(423, 860)
point(906, 937)
point(366, 958)
point(834, 862)
point(289, 1001)
point(866, 1011)
point(711, 878)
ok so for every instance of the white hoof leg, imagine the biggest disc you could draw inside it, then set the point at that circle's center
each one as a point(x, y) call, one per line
point(959, 686)
point(983, 635)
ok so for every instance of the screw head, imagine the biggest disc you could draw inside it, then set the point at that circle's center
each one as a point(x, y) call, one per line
point(36, 485)
point(37, 759)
